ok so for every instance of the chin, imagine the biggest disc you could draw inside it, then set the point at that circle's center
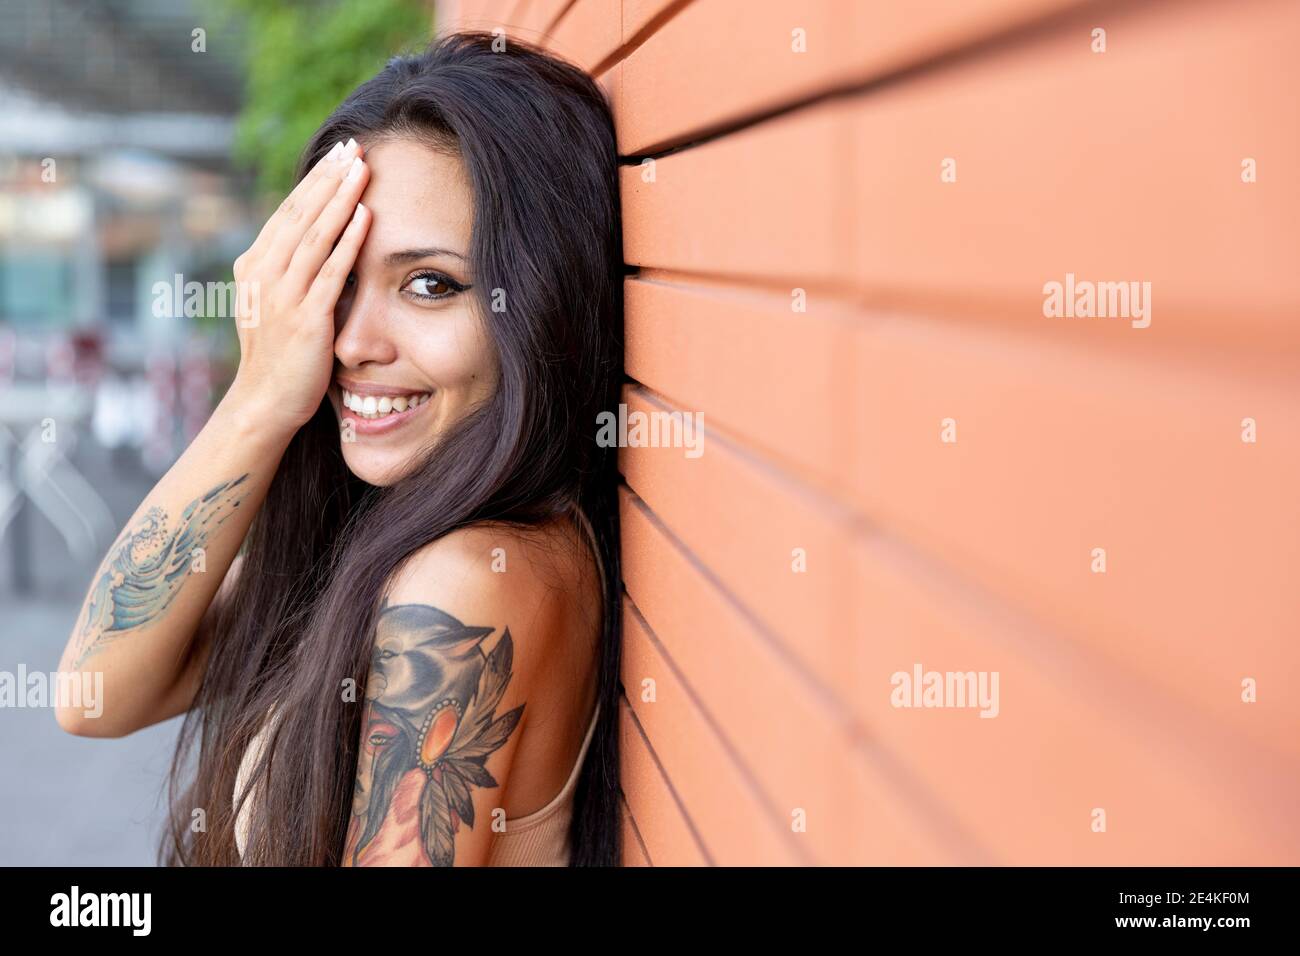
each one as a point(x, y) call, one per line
point(378, 469)
point(373, 454)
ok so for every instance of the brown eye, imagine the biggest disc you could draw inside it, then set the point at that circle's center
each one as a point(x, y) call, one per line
point(432, 286)
point(429, 285)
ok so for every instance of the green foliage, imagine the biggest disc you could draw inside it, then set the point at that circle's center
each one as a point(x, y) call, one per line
point(303, 58)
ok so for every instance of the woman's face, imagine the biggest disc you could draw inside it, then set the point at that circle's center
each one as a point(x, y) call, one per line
point(412, 354)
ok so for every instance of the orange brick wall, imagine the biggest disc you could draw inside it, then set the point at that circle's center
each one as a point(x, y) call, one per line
point(758, 724)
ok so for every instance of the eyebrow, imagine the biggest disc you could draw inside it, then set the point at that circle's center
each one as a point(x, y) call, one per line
point(410, 255)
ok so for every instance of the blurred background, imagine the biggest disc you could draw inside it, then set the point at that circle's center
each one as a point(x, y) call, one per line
point(141, 143)
point(841, 218)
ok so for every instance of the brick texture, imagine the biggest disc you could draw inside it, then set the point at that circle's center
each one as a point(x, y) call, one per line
point(835, 306)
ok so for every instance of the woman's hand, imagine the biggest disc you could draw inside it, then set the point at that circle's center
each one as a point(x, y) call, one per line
point(288, 284)
point(140, 624)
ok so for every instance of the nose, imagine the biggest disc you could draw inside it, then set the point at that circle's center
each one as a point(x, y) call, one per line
point(361, 331)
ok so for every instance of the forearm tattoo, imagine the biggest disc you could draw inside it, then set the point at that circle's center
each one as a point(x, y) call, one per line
point(148, 564)
point(429, 727)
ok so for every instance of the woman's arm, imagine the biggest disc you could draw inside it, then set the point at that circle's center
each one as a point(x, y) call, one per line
point(458, 651)
point(158, 579)
point(148, 601)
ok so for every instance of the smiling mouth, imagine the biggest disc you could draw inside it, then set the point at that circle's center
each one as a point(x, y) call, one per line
point(376, 407)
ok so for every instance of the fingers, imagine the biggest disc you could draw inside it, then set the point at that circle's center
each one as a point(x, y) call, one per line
point(318, 239)
point(301, 216)
point(291, 210)
point(327, 286)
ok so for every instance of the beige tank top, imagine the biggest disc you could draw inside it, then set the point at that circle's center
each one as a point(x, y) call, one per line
point(540, 838)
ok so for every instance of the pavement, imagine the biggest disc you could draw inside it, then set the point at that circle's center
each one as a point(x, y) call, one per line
point(65, 800)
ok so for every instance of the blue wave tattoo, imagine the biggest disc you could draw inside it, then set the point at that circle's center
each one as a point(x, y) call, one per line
point(148, 564)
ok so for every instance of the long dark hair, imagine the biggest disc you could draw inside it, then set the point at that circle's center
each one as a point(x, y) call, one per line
point(537, 139)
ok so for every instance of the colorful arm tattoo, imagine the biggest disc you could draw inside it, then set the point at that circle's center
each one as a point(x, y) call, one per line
point(147, 566)
point(430, 726)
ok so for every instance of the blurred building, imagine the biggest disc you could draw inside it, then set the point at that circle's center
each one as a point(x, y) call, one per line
point(116, 120)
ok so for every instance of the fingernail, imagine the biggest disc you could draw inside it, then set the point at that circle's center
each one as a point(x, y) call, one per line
point(351, 146)
point(356, 213)
point(335, 151)
point(355, 172)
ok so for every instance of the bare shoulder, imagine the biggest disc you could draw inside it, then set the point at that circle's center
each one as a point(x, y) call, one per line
point(480, 686)
point(503, 566)
point(539, 582)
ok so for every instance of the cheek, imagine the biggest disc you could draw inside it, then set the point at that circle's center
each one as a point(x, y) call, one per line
point(455, 352)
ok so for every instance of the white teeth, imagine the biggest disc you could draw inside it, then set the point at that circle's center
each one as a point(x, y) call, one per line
point(378, 406)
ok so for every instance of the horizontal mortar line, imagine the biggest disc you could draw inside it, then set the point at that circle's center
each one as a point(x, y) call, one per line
point(841, 289)
point(992, 315)
point(1182, 355)
point(547, 30)
point(1081, 669)
point(929, 566)
point(785, 472)
point(873, 750)
point(832, 507)
point(1000, 312)
point(1199, 349)
point(1061, 660)
point(636, 830)
point(940, 572)
point(937, 572)
point(681, 806)
point(631, 44)
point(824, 695)
point(778, 816)
point(1011, 37)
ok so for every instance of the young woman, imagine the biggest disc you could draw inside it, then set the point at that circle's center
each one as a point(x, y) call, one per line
point(414, 659)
